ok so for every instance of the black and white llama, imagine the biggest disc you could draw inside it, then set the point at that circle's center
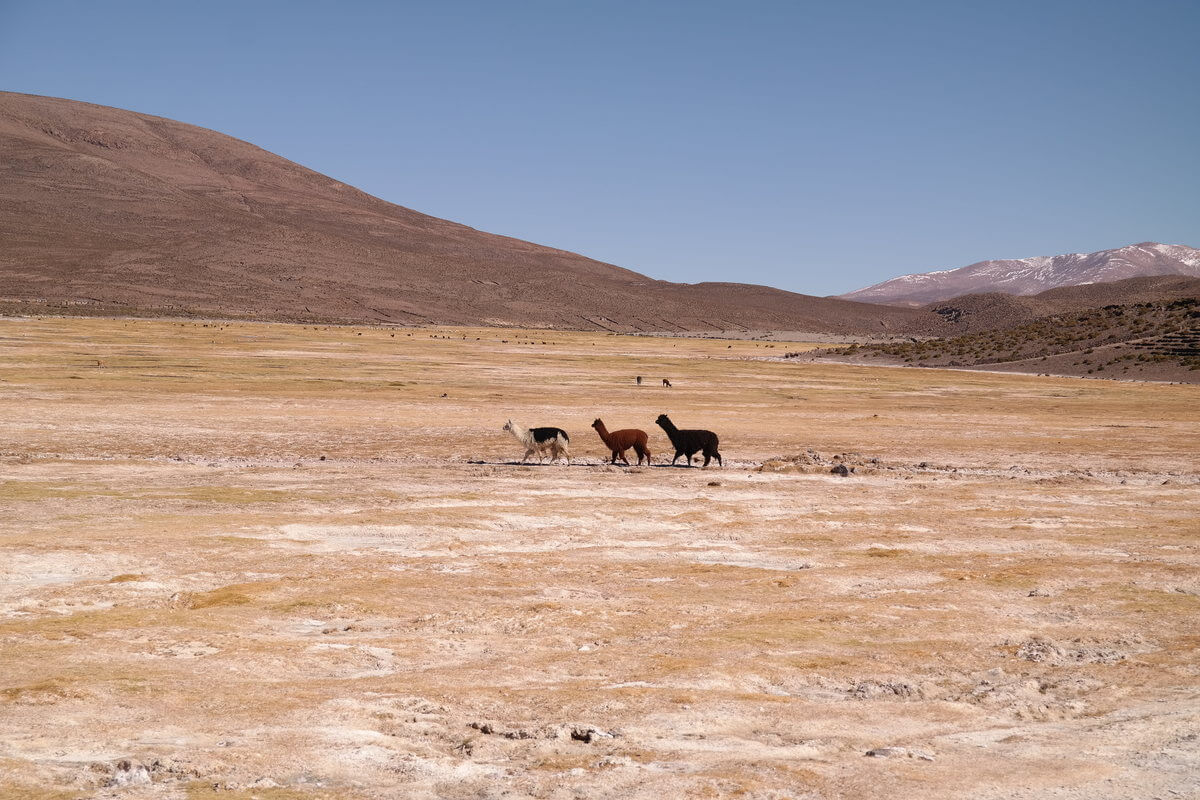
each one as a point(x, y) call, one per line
point(541, 441)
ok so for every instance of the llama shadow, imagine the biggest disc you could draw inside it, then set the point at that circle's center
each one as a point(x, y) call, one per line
point(559, 464)
point(480, 462)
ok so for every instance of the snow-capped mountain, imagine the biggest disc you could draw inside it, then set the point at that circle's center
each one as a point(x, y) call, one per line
point(1032, 275)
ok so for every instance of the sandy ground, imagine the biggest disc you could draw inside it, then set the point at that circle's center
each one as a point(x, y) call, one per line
point(270, 561)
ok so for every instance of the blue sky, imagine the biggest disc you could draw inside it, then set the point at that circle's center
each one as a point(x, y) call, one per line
point(817, 147)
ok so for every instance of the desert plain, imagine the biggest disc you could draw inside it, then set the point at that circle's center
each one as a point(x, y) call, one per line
point(273, 561)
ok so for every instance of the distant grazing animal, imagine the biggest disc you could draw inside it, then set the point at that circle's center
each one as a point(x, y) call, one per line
point(620, 441)
point(666, 383)
point(688, 443)
point(541, 441)
point(639, 380)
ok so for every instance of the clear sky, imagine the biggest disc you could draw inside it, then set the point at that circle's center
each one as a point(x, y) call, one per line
point(817, 147)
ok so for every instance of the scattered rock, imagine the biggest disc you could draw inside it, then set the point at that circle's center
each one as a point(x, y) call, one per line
point(811, 461)
point(589, 735)
point(801, 462)
point(129, 773)
point(521, 733)
point(1025, 697)
point(874, 690)
point(1044, 651)
point(1038, 593)
point(899, 752)
point(1038, 649)
point(714, 483)
point(488, 729)
point(842, 470)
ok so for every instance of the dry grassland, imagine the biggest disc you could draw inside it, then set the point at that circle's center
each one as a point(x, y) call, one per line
point(244, 560)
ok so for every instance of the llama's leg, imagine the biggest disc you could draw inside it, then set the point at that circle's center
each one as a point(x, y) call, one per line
point(678, 453)
point(718, 457)
point(623, 458)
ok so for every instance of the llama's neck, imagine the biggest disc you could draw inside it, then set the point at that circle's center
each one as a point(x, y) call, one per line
point(669, 427)
point(522, 435)
point(603, 431)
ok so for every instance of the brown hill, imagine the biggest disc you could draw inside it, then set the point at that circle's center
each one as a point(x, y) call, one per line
point(117, 210)
point(997, 311)
point(1155, 339)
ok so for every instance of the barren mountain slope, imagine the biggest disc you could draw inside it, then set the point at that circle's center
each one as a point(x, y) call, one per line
point(1027, 276)
point(998, 311)
point(1144, 341)
point(119, 210)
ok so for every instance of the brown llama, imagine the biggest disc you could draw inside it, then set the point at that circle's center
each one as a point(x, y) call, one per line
point(667, 382)
point(620, 441)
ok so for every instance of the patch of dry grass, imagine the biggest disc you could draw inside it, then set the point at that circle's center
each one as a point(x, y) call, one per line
point(185, 578)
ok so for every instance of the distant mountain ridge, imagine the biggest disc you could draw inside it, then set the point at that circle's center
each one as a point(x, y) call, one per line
point(108, 211)
point(1027, 276)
